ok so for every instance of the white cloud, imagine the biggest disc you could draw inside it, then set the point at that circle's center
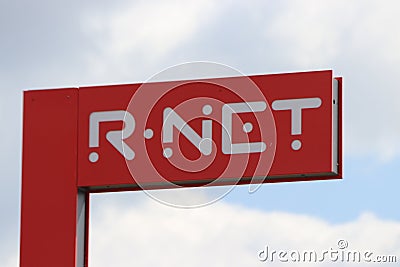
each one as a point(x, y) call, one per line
point(142, 33)
point(307, 32)
point(10, 261)
point(149, 234)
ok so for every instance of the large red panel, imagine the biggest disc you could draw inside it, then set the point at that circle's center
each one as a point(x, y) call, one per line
point(49, 178)
point(110, 170)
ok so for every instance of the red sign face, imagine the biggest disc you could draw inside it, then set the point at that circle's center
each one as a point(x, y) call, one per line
point(281, 127)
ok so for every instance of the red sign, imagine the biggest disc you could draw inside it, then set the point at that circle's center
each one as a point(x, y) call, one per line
point(226, 131)
point(216, 131)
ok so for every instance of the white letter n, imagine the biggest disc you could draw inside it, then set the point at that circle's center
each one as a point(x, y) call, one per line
point(202, 143)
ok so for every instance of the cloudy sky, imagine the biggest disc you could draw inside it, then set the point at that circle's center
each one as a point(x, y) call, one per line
point(53, 44)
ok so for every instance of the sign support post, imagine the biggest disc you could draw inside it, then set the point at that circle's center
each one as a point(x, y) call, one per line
point(53, 210)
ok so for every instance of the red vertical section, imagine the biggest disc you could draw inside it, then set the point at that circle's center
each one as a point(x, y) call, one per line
point(49, 182)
